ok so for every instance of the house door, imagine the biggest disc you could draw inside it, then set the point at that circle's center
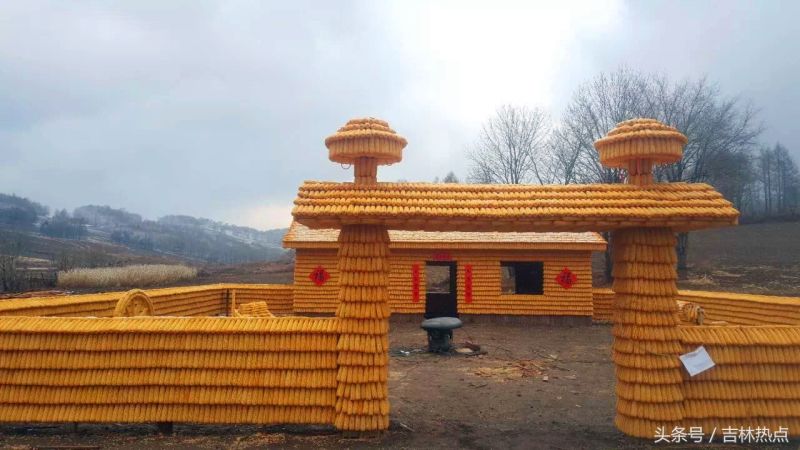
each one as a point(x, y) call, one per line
point(440, 289)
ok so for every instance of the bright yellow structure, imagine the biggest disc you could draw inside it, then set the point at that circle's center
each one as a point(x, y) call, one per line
point(145, 369)
point(477, 257)
point(335, 370)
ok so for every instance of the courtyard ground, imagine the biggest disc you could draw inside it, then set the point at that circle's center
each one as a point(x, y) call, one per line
point(536, 387)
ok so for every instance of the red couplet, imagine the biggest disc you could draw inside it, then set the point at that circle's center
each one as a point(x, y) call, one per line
point(415, 283)
point(468, 283)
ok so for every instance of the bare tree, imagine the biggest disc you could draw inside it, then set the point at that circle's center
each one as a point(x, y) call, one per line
point(734, 176)
point(596, 107)
point(718, 128)
point(779, 179)
point(450, 178)
point(512, 148)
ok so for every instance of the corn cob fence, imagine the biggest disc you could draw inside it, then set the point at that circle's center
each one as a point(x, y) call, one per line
point(334, 370)
point(754, 341)
point(207, 300)
point(721, 308)
point(285, 371)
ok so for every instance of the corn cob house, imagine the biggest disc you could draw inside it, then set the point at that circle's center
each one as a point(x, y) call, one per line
point(456, 272)
point(255, 368)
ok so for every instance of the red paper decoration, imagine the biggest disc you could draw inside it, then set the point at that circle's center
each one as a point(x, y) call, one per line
point(319, 276)
point(415, 283)
point(468, 283)
point(566, 278)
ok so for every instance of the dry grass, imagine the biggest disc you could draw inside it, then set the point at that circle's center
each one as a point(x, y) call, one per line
point(128, 276)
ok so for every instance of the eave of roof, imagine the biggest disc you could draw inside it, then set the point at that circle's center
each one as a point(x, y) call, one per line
point(300, 236)
point(513, 208)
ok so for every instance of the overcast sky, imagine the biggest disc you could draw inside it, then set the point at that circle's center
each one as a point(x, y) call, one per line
point(220, 109)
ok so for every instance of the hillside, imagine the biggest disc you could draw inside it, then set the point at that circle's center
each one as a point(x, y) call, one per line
point(115, 236)
point(182, 236)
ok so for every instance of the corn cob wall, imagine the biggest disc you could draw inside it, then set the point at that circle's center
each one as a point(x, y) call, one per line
point(729, 307)
point(189, 301)
point(362, 402)
point(756, 380)
point(646, 336)
point(486, 296)
point(602, 304)
point(745, 309)
point(91, 305)
point(278, 297)
point(146, 369)
point(308, 297)
point(208, 300)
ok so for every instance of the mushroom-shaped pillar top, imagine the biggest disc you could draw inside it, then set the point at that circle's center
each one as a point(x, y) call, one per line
point(639, 144)
point(365, 143)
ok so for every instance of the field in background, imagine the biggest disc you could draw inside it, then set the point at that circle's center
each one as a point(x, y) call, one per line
point(281, 272)
point(756, 259)
point(114, 277)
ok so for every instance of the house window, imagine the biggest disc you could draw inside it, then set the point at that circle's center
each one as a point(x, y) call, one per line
point(522, 278)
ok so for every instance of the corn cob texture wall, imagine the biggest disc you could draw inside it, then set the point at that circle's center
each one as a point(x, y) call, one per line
point(602, 305)
point(147, 369)
point(278, 297)
point(646, 337)
point(308, 296)
point(362, 395)
point(745, 309)
point(729, 307)
point(208, 300)
point(486, 293)
point(756, 380)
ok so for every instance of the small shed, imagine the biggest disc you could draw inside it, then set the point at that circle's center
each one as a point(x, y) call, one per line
point(454, 273)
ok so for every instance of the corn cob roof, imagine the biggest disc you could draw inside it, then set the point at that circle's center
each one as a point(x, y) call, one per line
point(300, 236)
point(523, 208)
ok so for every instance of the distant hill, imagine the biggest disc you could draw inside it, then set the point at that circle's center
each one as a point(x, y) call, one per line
point(18, 212)
point(173, 236)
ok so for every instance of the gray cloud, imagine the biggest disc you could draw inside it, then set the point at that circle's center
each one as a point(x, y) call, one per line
point(219, 109)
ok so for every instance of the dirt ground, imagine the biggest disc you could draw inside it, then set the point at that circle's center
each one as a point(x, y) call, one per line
point(536, 387)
